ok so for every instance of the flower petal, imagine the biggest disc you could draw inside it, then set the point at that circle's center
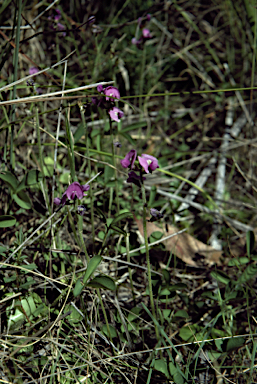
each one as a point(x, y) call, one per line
point(129, 159)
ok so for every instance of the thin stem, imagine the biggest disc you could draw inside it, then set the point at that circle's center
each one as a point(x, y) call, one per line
point(148, 256)
point(113, 163)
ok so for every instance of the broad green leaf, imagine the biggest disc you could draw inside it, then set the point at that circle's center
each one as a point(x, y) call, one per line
point(235, 342)
point(249, 273)
point(10, 179)
point(29, 267)
point(122, 216)
point(92, 265)
point(22, 200)
point(181, 313)
point(185, 333)
point(161, 365)
point(7, 221)
point(79, 132)
point(177, 377)
point(32, 177)
point(177, 287)
point(157, 235)
point(166, 313)
point(240, 261)
point(112, 331)
point(104, 282)
point(129, 128)
point(78, 288)
point(220, 276)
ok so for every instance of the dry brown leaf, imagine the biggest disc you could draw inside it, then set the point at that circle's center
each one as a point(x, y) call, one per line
point(183, 245)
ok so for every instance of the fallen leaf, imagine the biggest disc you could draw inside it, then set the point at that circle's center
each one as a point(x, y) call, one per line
point(183, 245)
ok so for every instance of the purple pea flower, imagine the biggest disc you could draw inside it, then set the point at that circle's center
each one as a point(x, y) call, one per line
point(74, 190)
point(116, 114)
point(33, 70)
point(61, 27)
point(156, 214)
point(58, 15)
point(134, 41)
point(146, 33)
point(112, 91)
point(129, 159)
point(148, 161)
point(100, 88)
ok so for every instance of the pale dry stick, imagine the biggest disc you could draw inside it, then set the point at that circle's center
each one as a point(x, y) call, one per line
point(214, 240)
point(200, 182)
point(32, 99)
point(238, 95)
point(42, 13)
point(38, 73)
point(241, 226)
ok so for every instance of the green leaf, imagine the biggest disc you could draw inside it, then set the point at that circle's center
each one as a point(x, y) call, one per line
point(166, 313)
point(249, 273)
point(34, 176)
point(92, 265)
point(240, 261)
point(29, 267)
point(157, 235)
point(220, 276)
point(234, 343)
point(185, 333)
point(10, 179)
point(177, 377)
point(161, 365)
point(7, 221)
point(79, 132)
point(122, 216)
point(78, 288)
point(104, 282)
point(181, 313)
point(118, 229)
point(250, 242)
point(112, 331)
point(22, 200)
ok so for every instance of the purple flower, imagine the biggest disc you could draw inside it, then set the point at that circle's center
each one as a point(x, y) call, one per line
point(134, 41)
point(156, 214)
point(112, 91)
point(116, 114)
point(33, 70)
point(117, 144)
point(148, 16)
point(146, 33)
point(58, 15)
point(61, 27)
point(81, 210)
point(100, 88)
point(129, 159)
point(75, 190)
point(134, 178)
point(148, 161)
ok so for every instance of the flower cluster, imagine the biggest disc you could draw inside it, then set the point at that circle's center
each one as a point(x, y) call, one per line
point(74, 190)
point(55, 17)
point(147, 162)
point(106, 101)
point(146, 34)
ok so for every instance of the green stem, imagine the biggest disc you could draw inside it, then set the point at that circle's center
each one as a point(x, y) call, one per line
point(104, 312)
point(113, 163)
point(148, 256)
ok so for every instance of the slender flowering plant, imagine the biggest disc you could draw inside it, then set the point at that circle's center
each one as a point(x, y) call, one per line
point(74, 190)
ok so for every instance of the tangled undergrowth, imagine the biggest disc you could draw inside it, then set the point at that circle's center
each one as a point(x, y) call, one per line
point(128, 192)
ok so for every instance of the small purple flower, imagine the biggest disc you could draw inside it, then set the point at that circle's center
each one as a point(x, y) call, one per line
point(134, 41)
point(146, 33)
point(74, 190)
point(58, 15)
point(116, 114)
point(113, 92)
point(139, 20)
point(61, 27)
point(129, 159)
point(156, 214)
point(134, 178)
point(91, 20)
point(117, 144)
point(33, 70)
point(148, 16)
point(148, 161)
point(81, 210)
point(100, 88)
